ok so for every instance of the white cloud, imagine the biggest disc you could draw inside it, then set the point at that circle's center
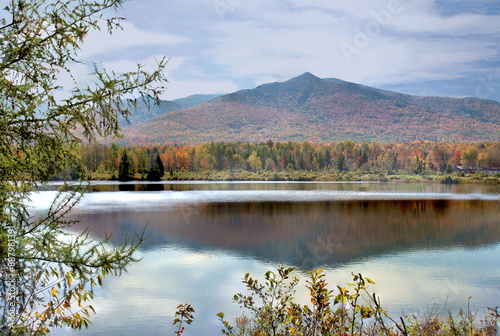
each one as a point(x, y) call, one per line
point(100, 42)
point(175, 88)
point(418, 18)
point(149, 64)
point(223, 42)
point(250, 50)
point(388, 61)
point(401, 43)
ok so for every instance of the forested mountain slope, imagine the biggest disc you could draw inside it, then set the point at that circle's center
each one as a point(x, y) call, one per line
point(323, 110)
point(143, 114)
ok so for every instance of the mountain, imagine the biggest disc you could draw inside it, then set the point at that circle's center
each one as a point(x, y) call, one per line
point(142, 113)
point(323, 110)
point(185, 103)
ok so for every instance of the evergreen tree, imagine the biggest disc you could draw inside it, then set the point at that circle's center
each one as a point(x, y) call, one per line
point(328, 157)
point(160, 166)
point(157, 170)
point(364, 158)
point(126, 169)
point(340, 163)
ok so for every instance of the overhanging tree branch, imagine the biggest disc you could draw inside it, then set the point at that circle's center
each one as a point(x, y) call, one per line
point(39, 142)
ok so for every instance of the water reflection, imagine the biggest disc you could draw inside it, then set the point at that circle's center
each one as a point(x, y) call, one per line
point(138, 186)
point(435, 246)
point(143, 301)
point(307, 234)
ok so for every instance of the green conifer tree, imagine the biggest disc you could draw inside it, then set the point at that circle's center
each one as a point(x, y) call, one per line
point(340, 163)
point(157, 170)
point(125, 169)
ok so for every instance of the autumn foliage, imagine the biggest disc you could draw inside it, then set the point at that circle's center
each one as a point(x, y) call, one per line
point(411, 158)
point(321, 110)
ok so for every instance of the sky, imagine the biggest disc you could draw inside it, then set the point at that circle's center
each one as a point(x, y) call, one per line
point(422, 47)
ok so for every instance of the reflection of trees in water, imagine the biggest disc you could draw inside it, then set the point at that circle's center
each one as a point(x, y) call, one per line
point(323, 232)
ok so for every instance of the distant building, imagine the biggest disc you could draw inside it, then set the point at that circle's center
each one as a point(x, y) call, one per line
point(490, 170)
point(472, 170)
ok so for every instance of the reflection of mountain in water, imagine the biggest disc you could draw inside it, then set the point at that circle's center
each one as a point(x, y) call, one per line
point(311, 234)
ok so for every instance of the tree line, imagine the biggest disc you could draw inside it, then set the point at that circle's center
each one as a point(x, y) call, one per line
point(419, 157)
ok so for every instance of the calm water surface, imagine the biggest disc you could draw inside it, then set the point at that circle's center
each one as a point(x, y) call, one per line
point(427, 246)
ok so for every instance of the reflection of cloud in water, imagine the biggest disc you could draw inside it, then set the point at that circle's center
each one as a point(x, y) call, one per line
point(203, 242)
point(165, 278)
point(421, 280)
point(411, 282)
point(154, 200)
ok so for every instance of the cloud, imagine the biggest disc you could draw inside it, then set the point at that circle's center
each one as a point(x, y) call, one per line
point(175, 88)
point(198, 84)
point(148, 64)
point(388, 60)
point(424, 18)
point(100, 42)
point(236, 44)
point(402, 42)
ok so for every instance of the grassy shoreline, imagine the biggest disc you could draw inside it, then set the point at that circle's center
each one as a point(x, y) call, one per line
point(244, 175)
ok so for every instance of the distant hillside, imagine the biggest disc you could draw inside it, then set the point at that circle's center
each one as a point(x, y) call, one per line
point(142, 113)
point(185, 103)
point(323, 110)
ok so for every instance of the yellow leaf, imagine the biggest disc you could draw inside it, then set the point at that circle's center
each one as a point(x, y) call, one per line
point(53, 291)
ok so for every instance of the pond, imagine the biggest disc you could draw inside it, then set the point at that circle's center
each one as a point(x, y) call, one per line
point(429, 247)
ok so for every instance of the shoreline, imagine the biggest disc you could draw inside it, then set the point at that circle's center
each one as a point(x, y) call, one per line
point(308, 176)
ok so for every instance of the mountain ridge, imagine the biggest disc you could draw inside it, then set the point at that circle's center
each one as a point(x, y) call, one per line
point(323, 110)
point(143, 114)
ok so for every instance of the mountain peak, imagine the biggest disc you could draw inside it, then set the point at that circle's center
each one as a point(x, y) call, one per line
point(306, 75)
point(305, 79)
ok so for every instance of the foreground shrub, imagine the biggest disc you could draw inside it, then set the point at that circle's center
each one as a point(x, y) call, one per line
point(273, 311)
